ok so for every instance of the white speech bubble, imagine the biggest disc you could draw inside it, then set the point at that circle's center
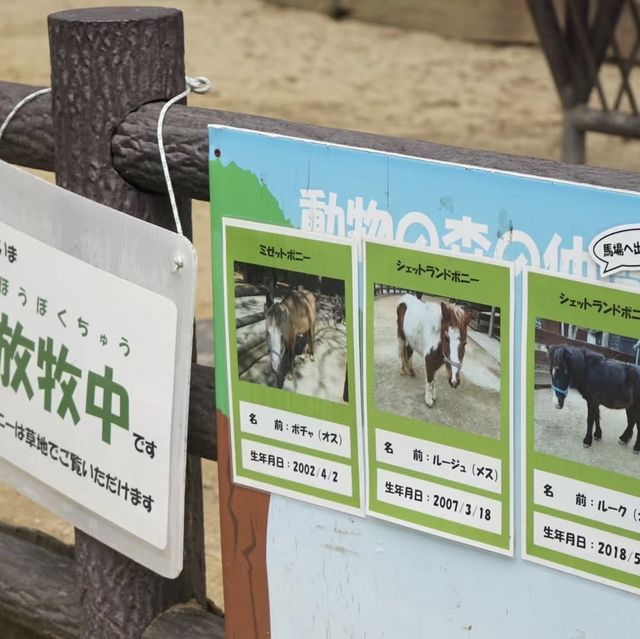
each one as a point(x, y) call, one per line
point(617, 249)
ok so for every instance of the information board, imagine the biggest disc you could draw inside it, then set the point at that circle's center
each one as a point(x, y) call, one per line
point(94, 366)
point(582, 478)
point(423, 231)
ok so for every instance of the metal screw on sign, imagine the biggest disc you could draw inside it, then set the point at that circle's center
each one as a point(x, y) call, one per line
point(178, 263)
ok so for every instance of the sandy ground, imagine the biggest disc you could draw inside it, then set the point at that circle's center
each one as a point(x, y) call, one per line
point(560, 433)
point(302, 66)
point(473, 407)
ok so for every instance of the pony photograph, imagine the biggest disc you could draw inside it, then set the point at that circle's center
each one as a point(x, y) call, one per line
point(587, 396)
point(291, 331)
point(437, 360)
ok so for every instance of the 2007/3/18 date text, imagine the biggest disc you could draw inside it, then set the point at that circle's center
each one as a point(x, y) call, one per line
point(453, 504)
point(442, 502)
point(435, 500)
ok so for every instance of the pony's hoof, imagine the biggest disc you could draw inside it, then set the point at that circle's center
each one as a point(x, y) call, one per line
point(312, 358)
point(636, 452)
point(412, 373)
point(403, 373)
point(290, 376)
point(622, 442)
point(597, 438)
point(428, 403)
point(585, 445)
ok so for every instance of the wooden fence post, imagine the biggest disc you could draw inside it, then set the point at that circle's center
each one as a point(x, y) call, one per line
point(105, 63)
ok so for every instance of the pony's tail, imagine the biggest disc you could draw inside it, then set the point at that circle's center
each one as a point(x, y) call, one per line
point(401, 311)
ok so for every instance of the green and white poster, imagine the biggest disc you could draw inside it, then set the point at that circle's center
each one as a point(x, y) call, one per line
point(581, 486)
point(292, 361)
point(438, 393)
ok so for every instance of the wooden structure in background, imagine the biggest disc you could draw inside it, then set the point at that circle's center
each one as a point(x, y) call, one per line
point(578, 37)
point(95, 592)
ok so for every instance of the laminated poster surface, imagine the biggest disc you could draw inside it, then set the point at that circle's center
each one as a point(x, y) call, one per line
point(466, 280)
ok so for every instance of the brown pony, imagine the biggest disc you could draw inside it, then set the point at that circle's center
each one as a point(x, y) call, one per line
point(291, 327)
point(438, 332)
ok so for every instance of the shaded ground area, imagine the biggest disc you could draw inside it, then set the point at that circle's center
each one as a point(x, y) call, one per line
point(473, 407)
point(323, 377)
point(560, 433)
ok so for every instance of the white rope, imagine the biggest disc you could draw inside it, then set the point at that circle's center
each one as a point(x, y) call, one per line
point(18, 106)
point(197, 85)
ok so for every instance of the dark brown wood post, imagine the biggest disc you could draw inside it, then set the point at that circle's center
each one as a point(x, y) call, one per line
point(105, 63)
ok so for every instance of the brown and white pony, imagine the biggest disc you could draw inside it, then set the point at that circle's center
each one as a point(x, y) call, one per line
point(291, 328)
point(437, 332)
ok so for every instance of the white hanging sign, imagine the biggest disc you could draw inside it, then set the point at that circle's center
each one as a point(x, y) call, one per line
point(95, 348)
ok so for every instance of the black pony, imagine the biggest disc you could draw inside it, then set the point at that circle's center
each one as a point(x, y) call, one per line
point(602, 382)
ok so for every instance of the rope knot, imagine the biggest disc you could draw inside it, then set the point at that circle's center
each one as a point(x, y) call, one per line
point(199, 84)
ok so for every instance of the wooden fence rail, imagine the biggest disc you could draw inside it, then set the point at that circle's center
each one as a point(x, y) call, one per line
point(551, 339)
point(29, 142)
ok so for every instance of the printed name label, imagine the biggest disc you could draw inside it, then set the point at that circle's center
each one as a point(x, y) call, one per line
point(294, 428)
point(443, 461)
point(586, 500)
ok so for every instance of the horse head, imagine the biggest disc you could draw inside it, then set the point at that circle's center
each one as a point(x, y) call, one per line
point(560, 369)
point(453, 339)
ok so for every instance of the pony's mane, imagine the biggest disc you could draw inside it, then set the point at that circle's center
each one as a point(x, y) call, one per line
point(574, 356)
point(284, 312)
point(279, 314)
point(458, 315)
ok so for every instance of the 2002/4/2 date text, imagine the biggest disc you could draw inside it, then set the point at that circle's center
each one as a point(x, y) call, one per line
point(310, 470)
